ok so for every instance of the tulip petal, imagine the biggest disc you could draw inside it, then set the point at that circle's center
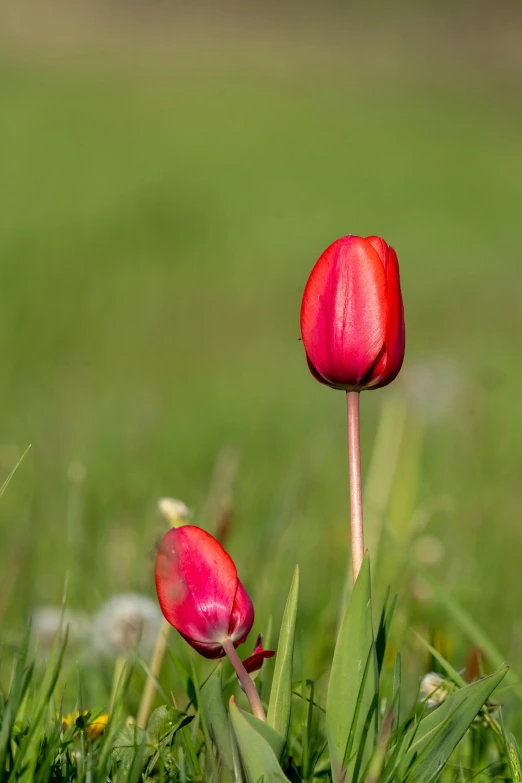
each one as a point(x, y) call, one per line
point(380, 247)
point(210, 651)
point(196, 582)
point(255, 661)
point(258, 645)
point(395, 331)
point(344, 312)
point(242, 617)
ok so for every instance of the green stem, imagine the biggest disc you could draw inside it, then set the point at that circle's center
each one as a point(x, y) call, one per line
point(354, 465)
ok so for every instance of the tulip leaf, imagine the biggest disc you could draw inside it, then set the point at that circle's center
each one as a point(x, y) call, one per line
point(280, 703)
point(275, 740)
point(216, 714)
point(432, 741)
point(351, 704)
point(258, 758)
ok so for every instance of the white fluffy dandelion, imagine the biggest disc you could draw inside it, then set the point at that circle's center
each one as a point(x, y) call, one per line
point(127, 622)
point(433, 689)
point(45, 624)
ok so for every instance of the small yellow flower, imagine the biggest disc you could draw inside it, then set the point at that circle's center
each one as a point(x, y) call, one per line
point(94, 730)
point(66, 721)
point(98, 726)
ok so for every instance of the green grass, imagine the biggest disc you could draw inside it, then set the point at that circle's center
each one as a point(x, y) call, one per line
point(156, 233)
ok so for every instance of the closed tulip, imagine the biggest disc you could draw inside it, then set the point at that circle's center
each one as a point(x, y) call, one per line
point(199, 591)
point(352, 317)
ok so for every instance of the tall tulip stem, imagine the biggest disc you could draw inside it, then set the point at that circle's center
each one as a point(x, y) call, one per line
point(245, 680)
point(354, 467)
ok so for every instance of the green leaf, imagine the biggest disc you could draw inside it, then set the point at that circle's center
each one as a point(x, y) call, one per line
point(166, 720)
point(132, 742)
point(216, 714)
point(397, 677)
point(280, 703)
point(29, 752)
point(351, 704)
point(512, 751)
point(259, 760)
point(15, 695)
point(274, 739)
point(128, 741)
point(383, 631)
point(436, 736)
point(515, 760)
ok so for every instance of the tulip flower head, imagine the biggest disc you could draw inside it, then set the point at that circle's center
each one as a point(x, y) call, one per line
point(352, 317)
point(199, 591)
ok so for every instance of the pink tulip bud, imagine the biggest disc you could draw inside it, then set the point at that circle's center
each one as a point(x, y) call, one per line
point(199, 591)
point(352, 317)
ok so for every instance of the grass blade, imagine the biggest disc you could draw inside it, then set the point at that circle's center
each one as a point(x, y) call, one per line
point(439, 733)
point(280, 704)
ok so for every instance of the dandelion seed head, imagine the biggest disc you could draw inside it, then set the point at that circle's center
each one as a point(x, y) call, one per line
point(433, 687)
point(45, 624)
point(127, 622)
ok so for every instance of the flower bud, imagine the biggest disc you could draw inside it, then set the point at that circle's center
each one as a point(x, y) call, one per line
point(352, 317)
point(199, 591)
point(174, 511)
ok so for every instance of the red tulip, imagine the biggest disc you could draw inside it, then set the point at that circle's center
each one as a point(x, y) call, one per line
point(199, 591)
point(352, 317)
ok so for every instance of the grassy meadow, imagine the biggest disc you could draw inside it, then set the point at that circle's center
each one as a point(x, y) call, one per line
point(159, 219)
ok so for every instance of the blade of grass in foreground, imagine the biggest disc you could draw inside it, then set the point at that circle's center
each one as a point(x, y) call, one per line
point(10, 476)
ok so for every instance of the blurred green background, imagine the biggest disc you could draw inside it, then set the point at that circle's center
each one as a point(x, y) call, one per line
point(168, 176)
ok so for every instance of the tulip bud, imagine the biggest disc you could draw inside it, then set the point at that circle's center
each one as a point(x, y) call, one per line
point(352, 317)
point(199, 591)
